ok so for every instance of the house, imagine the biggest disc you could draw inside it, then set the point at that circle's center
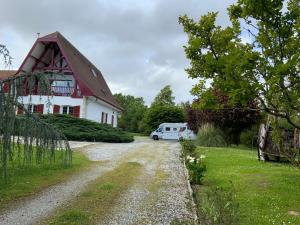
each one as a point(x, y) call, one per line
point(78, 88)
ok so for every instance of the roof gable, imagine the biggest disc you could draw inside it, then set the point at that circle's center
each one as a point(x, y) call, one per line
point(89, 78)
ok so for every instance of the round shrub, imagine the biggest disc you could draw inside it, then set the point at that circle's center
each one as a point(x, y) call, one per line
point(210, 136)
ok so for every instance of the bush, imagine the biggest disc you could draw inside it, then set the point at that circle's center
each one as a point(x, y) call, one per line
point(196, 169)
point(188, 147)
point(210, 136)
point(219, 207)
point(76, 129)
point(249, 137)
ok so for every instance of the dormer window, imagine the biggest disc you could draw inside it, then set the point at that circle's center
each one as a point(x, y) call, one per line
point(94, 72)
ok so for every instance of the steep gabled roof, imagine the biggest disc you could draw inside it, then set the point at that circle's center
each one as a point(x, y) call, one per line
point(6, 73)
point(89, 78)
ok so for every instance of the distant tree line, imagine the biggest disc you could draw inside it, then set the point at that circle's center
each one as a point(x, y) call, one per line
point(138, 117)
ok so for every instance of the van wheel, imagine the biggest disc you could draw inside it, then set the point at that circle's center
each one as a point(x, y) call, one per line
point(155, 137)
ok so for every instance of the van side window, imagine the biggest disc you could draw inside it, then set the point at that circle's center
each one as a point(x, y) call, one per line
point(174, 129)
point(168, 128)
point(182, 129)
point(159, 130)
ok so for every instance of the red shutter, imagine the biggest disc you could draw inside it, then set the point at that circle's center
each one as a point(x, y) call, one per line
point(5, 87)
point(112, 120)
point(76, 112)
point(40, 108)
point(56, 109)
point(19, 110)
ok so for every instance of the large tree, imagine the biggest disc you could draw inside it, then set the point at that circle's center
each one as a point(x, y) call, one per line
point(232, 120)
point(133, 113)
point(162, 110)
point(265, 66)
point(164, 97)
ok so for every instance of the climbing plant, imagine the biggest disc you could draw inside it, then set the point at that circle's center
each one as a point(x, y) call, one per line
point(25, 140)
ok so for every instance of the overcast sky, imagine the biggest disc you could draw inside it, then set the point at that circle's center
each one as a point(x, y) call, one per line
point(137, 44)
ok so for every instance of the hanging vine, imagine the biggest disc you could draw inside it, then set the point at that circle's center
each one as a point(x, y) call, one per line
point(25, 140)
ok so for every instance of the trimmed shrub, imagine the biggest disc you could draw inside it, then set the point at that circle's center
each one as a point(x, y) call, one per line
point(210, 136)
point(76, 129)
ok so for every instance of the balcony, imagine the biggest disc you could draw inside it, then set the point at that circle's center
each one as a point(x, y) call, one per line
point(62, 90)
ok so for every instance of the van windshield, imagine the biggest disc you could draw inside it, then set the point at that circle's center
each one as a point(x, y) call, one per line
point(159, 130)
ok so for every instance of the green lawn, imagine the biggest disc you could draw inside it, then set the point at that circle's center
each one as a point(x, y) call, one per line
point(26, 181)
point(266, 192)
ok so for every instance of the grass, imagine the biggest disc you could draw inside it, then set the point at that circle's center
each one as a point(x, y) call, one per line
point(266, 192)
point(29, 180)
point(99, 198)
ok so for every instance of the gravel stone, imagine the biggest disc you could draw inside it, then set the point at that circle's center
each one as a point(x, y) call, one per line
point(158, 196)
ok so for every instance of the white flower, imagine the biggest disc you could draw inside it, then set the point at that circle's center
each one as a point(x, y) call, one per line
point(202, 156)
point(190, 159)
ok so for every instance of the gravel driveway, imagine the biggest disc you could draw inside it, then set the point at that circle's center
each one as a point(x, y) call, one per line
point(159, 195)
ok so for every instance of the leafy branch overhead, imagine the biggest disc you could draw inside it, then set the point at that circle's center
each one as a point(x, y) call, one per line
point(266, 67)
point(4, 54)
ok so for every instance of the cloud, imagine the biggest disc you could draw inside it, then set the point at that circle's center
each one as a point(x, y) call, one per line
point(136, 44)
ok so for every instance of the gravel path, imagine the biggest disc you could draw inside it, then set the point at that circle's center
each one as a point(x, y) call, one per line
point(159, 195)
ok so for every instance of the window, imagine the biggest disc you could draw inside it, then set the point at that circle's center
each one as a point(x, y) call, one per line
point(174, 129)
point(35, 108)
point(168, 128)
point(182, 129)
point(71, 110)
point(29, 108)
point(104, 117)
point(67, 110)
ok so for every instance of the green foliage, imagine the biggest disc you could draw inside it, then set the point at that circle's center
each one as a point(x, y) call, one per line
point(18, 137)
point(164, 97)
point(133, 113)
point(73, 217)
point(158, 114)
point(188, 147)
point(249, 137)
point(5, 55)
point(210, 136)
point(85, 130)
point(196, 168)
point(219, 207)
point(265, 192)
point(266, 68)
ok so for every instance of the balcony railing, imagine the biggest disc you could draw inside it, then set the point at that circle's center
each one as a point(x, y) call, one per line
point(62, 90)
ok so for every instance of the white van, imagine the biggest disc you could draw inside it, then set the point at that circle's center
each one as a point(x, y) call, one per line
point(172, 131)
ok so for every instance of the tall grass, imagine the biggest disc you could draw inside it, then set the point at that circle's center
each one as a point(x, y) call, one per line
point(210, 136)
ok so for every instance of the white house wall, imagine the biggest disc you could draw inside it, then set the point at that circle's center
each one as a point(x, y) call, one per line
point(90, 108)
point(94, 111)
point(54, 100)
